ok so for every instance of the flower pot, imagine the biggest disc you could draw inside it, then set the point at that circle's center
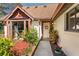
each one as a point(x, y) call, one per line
point(57, 52)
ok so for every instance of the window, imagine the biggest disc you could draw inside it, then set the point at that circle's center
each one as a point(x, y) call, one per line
point(72, 21)
point(1, 28)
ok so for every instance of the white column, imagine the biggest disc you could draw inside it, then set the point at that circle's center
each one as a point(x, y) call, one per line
point(24, 26)
point(29, 26)
point(40, 26)
point(5, 31)
point(10, 28)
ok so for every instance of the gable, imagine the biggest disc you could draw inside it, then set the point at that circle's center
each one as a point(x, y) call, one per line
point(18, 14)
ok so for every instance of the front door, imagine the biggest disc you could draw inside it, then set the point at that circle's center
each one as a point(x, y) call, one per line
point(46, 27)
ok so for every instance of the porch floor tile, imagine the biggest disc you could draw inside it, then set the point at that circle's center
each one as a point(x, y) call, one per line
point(43, 49)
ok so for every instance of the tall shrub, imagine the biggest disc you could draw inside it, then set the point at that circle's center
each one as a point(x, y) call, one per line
point(31, 36)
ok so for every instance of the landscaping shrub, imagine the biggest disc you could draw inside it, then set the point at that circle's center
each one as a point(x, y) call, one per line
point(25, 43)
point(5, 45)
point(19, 48)
point(31, 36)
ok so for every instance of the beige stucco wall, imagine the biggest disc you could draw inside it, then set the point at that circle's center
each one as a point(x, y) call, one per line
point(38, 26)
point(69, 41)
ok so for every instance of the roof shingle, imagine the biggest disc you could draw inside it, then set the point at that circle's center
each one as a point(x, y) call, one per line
point(41, 12)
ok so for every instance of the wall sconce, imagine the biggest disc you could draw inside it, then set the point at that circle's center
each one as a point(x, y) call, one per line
point(53, 23)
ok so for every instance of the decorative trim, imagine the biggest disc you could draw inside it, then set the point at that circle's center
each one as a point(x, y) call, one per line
point(15, 10)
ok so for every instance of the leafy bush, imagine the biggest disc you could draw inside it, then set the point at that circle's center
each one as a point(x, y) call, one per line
point(53, 34)
point(31, 36)
point(5, 45)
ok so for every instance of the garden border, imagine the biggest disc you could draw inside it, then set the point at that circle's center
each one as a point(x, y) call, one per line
point(35, 48)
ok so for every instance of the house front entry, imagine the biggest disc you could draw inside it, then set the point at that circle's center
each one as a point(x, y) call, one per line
point(46, 27)
point(17, 28)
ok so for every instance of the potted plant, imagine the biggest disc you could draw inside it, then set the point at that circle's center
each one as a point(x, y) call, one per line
point(53, 34)
point(58, 51)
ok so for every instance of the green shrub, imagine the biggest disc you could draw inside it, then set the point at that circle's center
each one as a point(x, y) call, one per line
point(5, 45)
point(31, 36)
point(53, 34)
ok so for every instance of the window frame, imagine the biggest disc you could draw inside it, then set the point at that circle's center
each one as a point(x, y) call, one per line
point(67, 22)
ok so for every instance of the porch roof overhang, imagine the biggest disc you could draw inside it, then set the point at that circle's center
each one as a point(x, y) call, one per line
point(60, 9)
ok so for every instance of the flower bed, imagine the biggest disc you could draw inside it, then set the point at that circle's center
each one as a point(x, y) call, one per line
point(17, 48)
point(23, 46)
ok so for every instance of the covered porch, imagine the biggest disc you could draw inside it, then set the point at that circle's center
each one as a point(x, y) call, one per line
point(15, 23)
point(13, 28)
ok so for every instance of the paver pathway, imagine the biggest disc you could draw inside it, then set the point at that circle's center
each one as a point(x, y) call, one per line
point(43, 49)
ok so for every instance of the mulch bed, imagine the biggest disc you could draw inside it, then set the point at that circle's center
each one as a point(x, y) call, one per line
point(54, 46)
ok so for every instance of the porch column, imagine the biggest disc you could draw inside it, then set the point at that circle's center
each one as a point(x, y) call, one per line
point(29, 26)
point(5, 31)
point(7, 28)
point(10, 29)
point(24, 26)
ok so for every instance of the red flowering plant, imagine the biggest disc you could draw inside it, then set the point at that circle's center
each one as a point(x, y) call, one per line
point(19, 48)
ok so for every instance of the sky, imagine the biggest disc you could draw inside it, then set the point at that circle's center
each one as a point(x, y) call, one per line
point(25, 4)
point(33, 4)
